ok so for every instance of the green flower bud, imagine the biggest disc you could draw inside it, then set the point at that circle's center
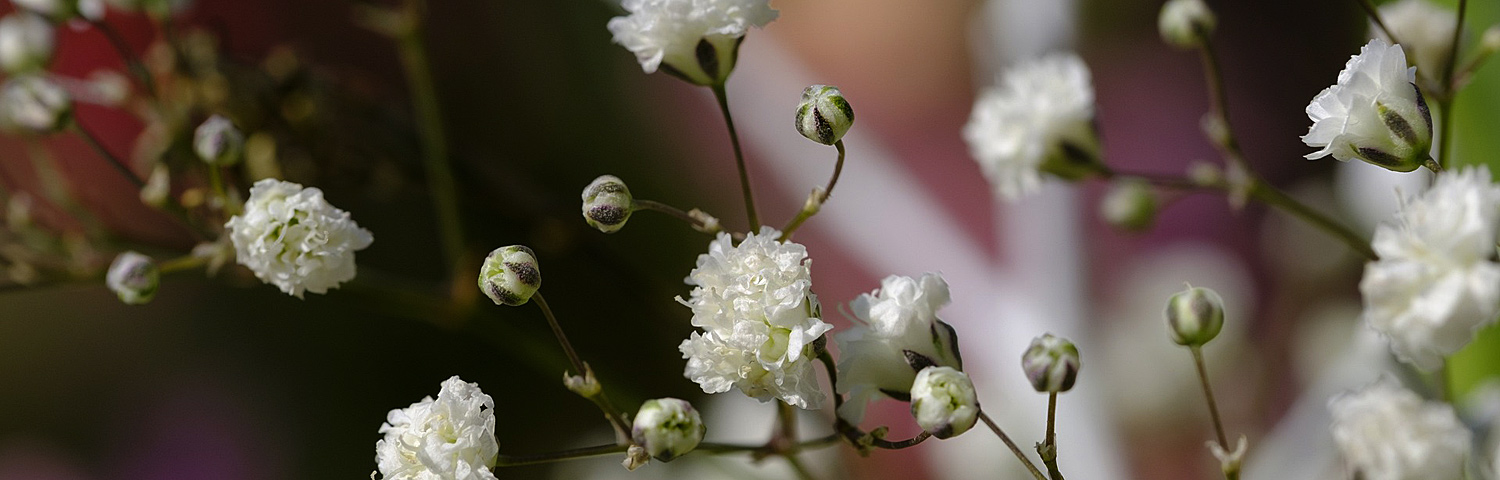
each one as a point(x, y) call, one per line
point(26, 42)
point(944, 402)
point(667, 428)
point(1185, 23)
point(824, 116)
point(218, 143)
point(510, 275)
point(607, 204)
point(1195, 316)
point(1129, 205)
point(1051, 363)
point(133, 277)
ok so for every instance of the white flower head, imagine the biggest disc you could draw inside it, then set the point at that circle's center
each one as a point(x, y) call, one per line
point(293, 239)
point(449, 438)
point(896, 334)
point(133, 277)
point(1374, 113)
point(1437, 282)
point(696, 40)
point(1039, 118)
point(759, 317)
point(943, 402)
point(1386, 432)
point(667, 428)
point(34, 103)
point(26, 42)
point(1424, 28)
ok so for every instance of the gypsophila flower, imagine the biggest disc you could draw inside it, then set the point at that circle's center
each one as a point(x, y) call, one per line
point(1051, 363)
point(26, 42)
point(1195, 316)
point(943, 401)
point(449, 438)
point(893, 325)
point(510, 275)
point(696, 40)
point(218, 143)
point(1374, 113)
point(34, 104)
point(1185, 23)
point(824, 115)
point(607, 204)
point(759, 320)
point(59, 10)
point(1039, 118)
point(293, 239)
point(133, 277)
point(1424, 28)
point(1386, 432)
point(667, 428)
point(1436, 282)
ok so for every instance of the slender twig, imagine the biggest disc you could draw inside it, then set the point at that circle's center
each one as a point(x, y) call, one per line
point(440, 180)
point(1208, 393)
point(739, 157)
point(1269, 195)
point(802, 472)
point(811, 207)
point(517, 460)
point(852, 433)
point(1013, 448)
point(1374, 14)
point(610, 412)
point(1446, 97)
point(721, 448)
point(119, 165)
point(1458, 27)
point(677, 213)
point(1048, 449)
point(132, 61)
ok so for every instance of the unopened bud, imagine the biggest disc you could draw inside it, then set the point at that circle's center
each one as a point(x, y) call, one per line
point(133, 277)
point(218, 143)
point(1490, 41)
point(607, 204)
point(706, 223)
point(1185, 23)
point(824, 116)
point(158, 186)
point(26, 42)
point(1051, 363)
point(667, 428)
point(635, 456)
point(943, 401)
point(35, 104)
point(584, 385)
point(1129, 205)
point(1195, 316)
point(510, 275)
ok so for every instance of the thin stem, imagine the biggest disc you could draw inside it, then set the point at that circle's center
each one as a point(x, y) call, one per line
point(185, 262)
point(697, 223)
point(814, 205)
point(114, 161)
point(1271, 196)
point(1013, 448)
point(802, 472)
point(852, 432)
point(720, 448)
point(1048, 449)
point(132, 61)
point(1374, 14)
point(1208, 393)
point(615, 417)
point(1445, 131)
point(838, 168)
point(585, 452)
point(440, 180)
point(739, 158)
point(1458, 26)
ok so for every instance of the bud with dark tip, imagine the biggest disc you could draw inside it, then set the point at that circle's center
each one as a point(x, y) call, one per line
point(1195, 316)
point(824, 116)
point(944, 402)
point(1051, 363)
point(607, 204)
point(510, 275)
point(667, 428)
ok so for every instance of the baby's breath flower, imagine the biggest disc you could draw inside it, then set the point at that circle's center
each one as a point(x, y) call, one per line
point(1389, 433)
point(218, 143)
point(510, 275)
point(943, 402)
point(1374, 113)
point(1039, 118)
point(1195, 316)
point(607, 204)
point(759, 317)
point(1424, 28)
point(824, 116)
point(59, 10)
point(293, 239)
point(1436, 282)
point(1051, 363)
point(896, 333)
point(26, 42)
point(449, 438)
point(695, 40)
point(667, 428)
point(1185, 23)
point(34, 104)
point(133, 277)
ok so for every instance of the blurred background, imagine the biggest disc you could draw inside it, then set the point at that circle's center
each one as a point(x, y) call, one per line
point(227, 378)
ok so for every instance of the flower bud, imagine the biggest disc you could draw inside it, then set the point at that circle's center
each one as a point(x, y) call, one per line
point(1489, 42)
point(1129, 205)
point(667, 428)
point(1195, 316)
point(824, 116)
point(635, 457)
point(26, 42)
point(133, 277)
point(158, 186)
point(943, 401)
point(59, 10)
point(1185, 23)
point(584, 385)
point(607, 204)
point(34, 103)
point(218, 143)
point(1051, 363)
point(510, 275)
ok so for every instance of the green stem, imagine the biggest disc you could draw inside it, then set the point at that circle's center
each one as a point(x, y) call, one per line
point(802, 472)
point(440, 180)
point(675, 213)
point(586, 452)
point(1445, 130)
point(1013, 448)
point(132, 62)
point(1208, 393)
point(1269, 195)
point(1048, 449)
point(809, 209)
point(114, 161)
point(1374, 14)
point(1458, 28)
point(615, 417)
point(739, 158)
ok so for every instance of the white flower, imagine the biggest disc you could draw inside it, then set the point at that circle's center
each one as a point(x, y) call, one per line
point(1038, 119)
point(26, 42)
point(667, 428)
point(133, 277)
point(450, 438)
point(943, 402)
point(696, 40)
point(1437, 282)
point(64, 9)
point(35, 104)
point(293, 239)
point(759, 317)
point(1185, 23)
point(1389, 433)
point(1374, 113)
point(1425, 30)
point(898, 317)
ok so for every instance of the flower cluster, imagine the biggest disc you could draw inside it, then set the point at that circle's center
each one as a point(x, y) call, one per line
point(1040, 118)
point(896, 334)
point(696, 40)
point(1389, 433)
point(448, 438)
point(759, 317)
point(293, 239)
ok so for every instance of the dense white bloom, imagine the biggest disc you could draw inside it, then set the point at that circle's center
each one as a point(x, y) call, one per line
point(1039, 118)
point(1437, 282)
point(759, 317)
point(943, 401)
point(450, 438)
point(1386, 432)
point(1424, 28)
point(1185, 23)
point(1374, 113)
point(293, 239)
point(899, 317)
point(26, 42)
point(667, 428)
point(697, 40)
point(35, 104)
point(133, 277)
